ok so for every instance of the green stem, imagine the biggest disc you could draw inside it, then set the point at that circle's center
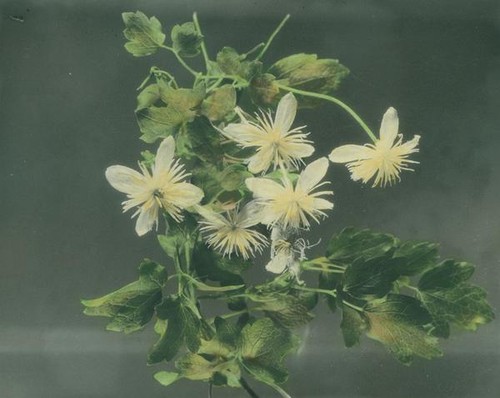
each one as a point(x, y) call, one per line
point(355, 307)
point(271, 38)
point(314, 290)
point(319, 269)
point(329, 98)
point(257, 47)
point(155, 70)
point(181, 61)
point(203, 47)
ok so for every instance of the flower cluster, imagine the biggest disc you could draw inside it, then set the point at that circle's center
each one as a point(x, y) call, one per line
point(285, 201)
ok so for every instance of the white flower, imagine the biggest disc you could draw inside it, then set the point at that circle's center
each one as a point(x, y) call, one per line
point(276, 144)
point(232, 234)
point(385, 159)
point(282, 252)
point(288, 205)
point(162, 188)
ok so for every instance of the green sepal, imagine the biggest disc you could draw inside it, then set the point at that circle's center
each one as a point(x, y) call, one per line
point(307, 72)
point(229, 61)
point(401, 324)
point(144, 34)
point(264, 90)
point(219, 103)
point(166, 378)
point(132, 306)
point(186, 40)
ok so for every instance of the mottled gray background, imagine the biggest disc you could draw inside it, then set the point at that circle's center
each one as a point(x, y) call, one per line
point(67, 94)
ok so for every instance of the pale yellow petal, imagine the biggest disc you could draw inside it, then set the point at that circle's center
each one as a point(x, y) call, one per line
point(322, 204)
point(243, 133)
point(148, 216)
point(389, 127)
point(299, 150)
point(261, 161)
point(285, 113)
point(184, 195)
point(312, 174)
point(264, 188)
point(278, 264)
point(125, 179)
point(250, 214)
point(164, 155)
point(211, 216)
point(350, 153)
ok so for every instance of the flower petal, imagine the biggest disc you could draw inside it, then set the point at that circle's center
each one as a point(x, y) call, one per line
point(279, 263)
point(125, 179)
point(264, 188)
point(350, 153)
point(261, 161)
point(389, 127)
point(312, 174)
point(148, 216)
point(184, 195)
point(250, 214)
point(243, 133)
point(322, 204)
point(211, 216)
point(285, 114)
point(299, 150)
point(164, 155)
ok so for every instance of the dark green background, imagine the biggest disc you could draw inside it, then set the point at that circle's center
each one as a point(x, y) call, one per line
point(67, 94)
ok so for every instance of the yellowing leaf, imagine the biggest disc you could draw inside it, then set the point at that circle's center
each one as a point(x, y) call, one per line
point(144, 34)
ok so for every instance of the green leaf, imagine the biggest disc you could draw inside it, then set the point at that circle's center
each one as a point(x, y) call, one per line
point(372, 278)
point(263, 90)
point(287, 310)
point(307, 72)
point(132, 306)
point(229, 61)
point(353, 325)
point(178, 236)
point(233, 177)
point(148, 96)
point(166, 378)
point(418, 256)
point(219, 103)
point(352, 243)
point(197, 367)
point(182, 99)
point(464, 305)
point(448, 274)
point(186, 39)
point(263, 348)
point(144, 34)
point(183, 327)
point(201, 140)
point(449, 298)
point(398, 323)
point(159, 122)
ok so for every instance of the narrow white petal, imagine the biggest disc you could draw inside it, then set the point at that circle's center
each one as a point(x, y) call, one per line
point(211, 216)
point(243, 133)
point(322, 204)
point(278, 264)
point(389, 127)
point(312, 174)
point(350, 153)
point(264, 187)
point(147, 218)
point(285, 114)
point(186, 195)
point(125, 179)
point(299, 150)
point(164, 155)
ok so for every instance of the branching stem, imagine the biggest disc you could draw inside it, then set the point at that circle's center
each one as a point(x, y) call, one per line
point(271, 38)
point(203, 47)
